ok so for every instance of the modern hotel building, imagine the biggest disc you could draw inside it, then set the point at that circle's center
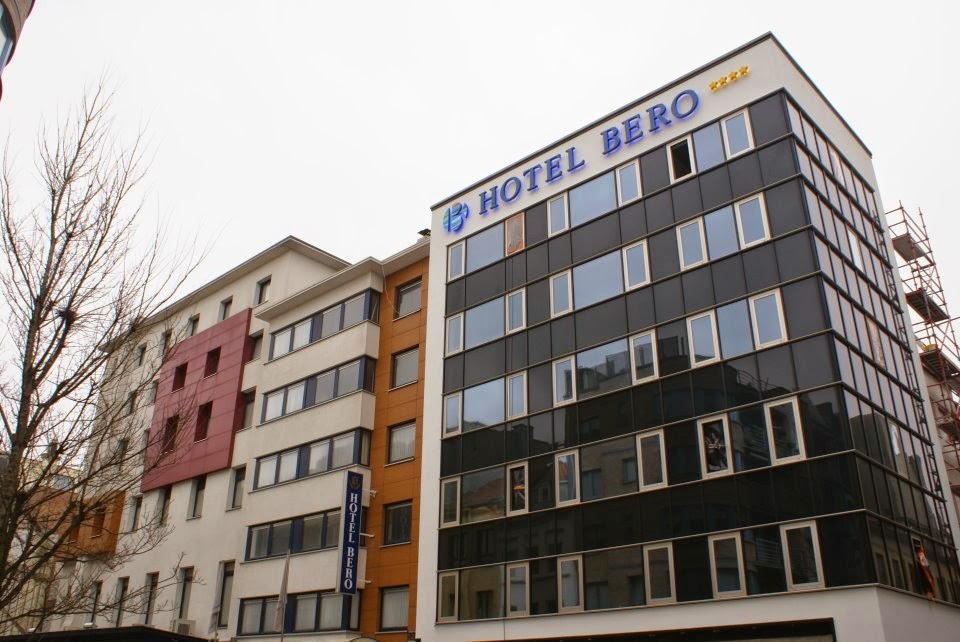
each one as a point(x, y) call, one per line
point(671, 392)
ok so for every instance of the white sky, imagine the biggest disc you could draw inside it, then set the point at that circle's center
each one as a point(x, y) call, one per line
point(342, 122)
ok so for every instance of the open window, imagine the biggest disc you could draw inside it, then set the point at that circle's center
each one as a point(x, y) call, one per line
point(680, 159)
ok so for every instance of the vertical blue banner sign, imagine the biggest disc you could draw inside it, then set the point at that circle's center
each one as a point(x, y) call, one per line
point(350, 538)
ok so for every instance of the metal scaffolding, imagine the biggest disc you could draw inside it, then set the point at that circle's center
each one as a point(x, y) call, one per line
point(933, 328)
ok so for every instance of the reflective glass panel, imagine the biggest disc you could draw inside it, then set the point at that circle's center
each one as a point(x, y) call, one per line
point(752, 226)
point(483, 405)
point(721, 233)
point(708, 146)
point(738, 140)
point(592, 199)
point(483, 323)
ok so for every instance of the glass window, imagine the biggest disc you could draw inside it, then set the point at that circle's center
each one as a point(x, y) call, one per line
point(482, 495)
point(394, 608)
point(330, 322)
point(294, 398)
point(273, 405)
point(752, 221)
point(714, 438)
point(691, 243)
point(454, 334)
point(653, 460)
point(288, 466)
point(250, 621)
point(602, 369)
point(450, 498)
point(402, 440)
point(483, 405)
point(483, 323)
point(563, 390)
point(319, 457)
point(708, 146)
point(331, 608)
point(557, 213)
point(259, 541)
point(628, 182)
point(591, 199)
point(725, 565)
point(517, 593)
point(517, 489)
point(280, 538)
point(802, 556)
point(737, 136)
point(484, 248)
point(481, 593)
point(567, 475)
point(343, 450)
point(768, 326)
point(397, 519)
point(643, 351)
point(513, 228)
point(405, 367)
point(614, 463)
point(267, 471)
point(597, 280)
point(681, 161)
point(281, 343)
point(306, 612)
point(783, 431)
point(516, 395)
point(570, 585)
point(516, 311)
point(353, 311)
point(721, 233)
point(560, 297)
point(408, 299)
point(451, 414)
point(455, 261)
point(635, 265)
point(301, 333)
point(658, 562)
point(733, 326)
point(703, 339)
point(312, 532)
point(447, 597)
point(855, 249)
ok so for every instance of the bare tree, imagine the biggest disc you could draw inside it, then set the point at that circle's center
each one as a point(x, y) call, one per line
point(81, 286)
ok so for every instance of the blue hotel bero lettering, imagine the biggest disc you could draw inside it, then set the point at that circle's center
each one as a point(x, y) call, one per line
point(350, 539)
point(554, 168)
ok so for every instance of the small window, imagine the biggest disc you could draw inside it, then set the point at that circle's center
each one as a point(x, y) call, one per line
point(653, 460)
point(203, 421)
point(692, 244)
point(254, 346)
point(516, 311)
point(658, 569)
point(213, 363)
point(273, 405)
point(152, 394)
point(397, 519)
point(569, 584)
point(236, 492)
point(447, 597)
point(702, 331)
point(196, 496)
point(454, 334)
point(517, 489)
point(165, 340)
point(193, 324)
point(636, 265)
point(249, 398)
point(408, 299)
point(802, 553)
point(131, 405)
point(402, 441)
point(768, 327)
point(726, 569)
point(643, 357)
point(394, 607)
point(557, 214)
point(628, 183)
point(736, 134)
point(783, 431)
point(518, 590)
point(681, 159)
point(405, 366)
point(752, 221)
point(714, 436)
point(455, 261)
point(561, 296)
point(516, 395)
point(450, 501)
point(451, 414)
point(301, 334)
point(225, 306)
point(563, 381)
point(513, 230)
point(567, 474)
point(262, 291)
point(855, 254)
point(169, 441)
point(141, 355)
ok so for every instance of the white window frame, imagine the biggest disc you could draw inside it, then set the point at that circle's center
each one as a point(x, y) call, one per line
point(576, 477)
point(443, 419)
point(573, 380)
point(569, 275)
point(703, 244)
point(646, 573)
point(455, 481)
point(566, 215)
point(717, 593)
point(522, 292)
point(791, 401)
point(635, 164)
point(560, 561)
point(753, 319)
point(646, 266)
point(693, 158)
point(516, 375)
point(716, 339)
point(463, 259)
point(526, 489)
point(509, 592)
point(663, 461)
point(446, 334)
point(633, 358)
point(726, 137)
point(855, 254)
point(763, 217)
point(456, 596)
point(726, 440)
point(812, 525)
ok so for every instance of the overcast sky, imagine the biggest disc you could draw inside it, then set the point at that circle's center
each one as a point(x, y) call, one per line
point(342, 122)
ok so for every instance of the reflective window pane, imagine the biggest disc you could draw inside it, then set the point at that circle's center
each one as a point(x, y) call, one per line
point(483, 405)
point(482, 495)
point(784, 430)
point(281, 343)
point(752, 224)
point(451, 414)
point(691, 244)
point(451, 500)
point(560, 293)
point(558, 215)
point(515, 311)
point(483, 323)
point(563, 381)
point(658, 570)
point(402, 440)
point(644, 359)
point(738, 139)
point(569, 583)
point(408, 300)
point(259, 541)
point(802, 555)
point(629, 187)
point(721, 233)
point(636, 262)
point(766, 315)
point(708, 146)
point(733, 326)
point(405, 367)
point(516, 395)
point(602, 369)
point(348, 379)
point(454, 336)
point(484, 248)
point(455, 261)
point(514, 231)
point(567, 477)
point(651, 460)
point(481, 593)
point(306, 612)
point(592, 199)
point(597, 280)
point(701, 339)
point(726, 560)
point(448, 596)
point(715, 448)
point(312, 532)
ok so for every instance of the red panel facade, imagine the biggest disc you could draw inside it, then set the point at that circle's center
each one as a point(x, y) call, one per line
point(174, 456)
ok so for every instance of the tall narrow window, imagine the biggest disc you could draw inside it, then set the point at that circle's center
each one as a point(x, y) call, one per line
point(703, 339)
point(236, 492)
point(262, 291)
point(752, 221)
point(570, 584)
point(563, 389)
point(165, 339)
point(95, 591)
point(225, 306)
point(516, 311)
point(449, 501)
point(513, 230)
point(725, 566)
point(123, 588)
point(802, 556)
point(516, 395)
point(397, 519)
point(447, 597)
point(692, 244)
point(150, 598)
point(681, 159)
point(141, 355)
point(408, 299)
point(180, 377)
point(196, 500)
point(628, 183)
point(643, 355)
point(454, 334)
point(249, 399)
point(204, 413)
point(451, 414)
point(736, 134)
point(636, 265)
point(557, 214)
point(183, 593)
point(254, 346)
point(767, 313)
point(226, 591)
point(135, 508)
point(714, 436)
point(658, 562)
point(517, 489)
point(455, 261)
point(518, 594)
point(169, 442)
point(653, 460)
point(393, 608)
point(193, 324)
point(567, 475)
point(561, 296)
point(164, 504)
point(783, 431)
